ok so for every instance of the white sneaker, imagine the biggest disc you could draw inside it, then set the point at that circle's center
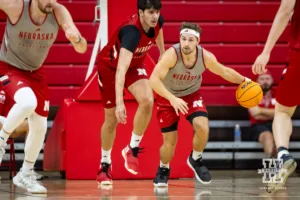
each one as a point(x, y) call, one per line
point(37, 175)
point(29, 182)
point(2, 152)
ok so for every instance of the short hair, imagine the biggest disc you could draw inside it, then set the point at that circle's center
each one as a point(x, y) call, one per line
point(192, 26)
point(148, 4)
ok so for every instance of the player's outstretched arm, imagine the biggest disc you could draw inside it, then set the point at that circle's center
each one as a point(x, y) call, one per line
point(217, 68)
point(279, 24)
point(72, 33)
point(167, 61)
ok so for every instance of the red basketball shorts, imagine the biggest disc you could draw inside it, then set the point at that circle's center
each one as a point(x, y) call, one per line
point(288, 90)
point(167, 117)
point(107, 77)
point(12, 79)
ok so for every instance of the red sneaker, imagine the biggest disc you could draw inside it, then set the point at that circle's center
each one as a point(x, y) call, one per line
point(104, 176)
point(130, 156)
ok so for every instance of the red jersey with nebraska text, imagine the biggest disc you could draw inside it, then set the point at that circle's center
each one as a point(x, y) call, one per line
point(132, 37)
point(267, 102)
point(294, 42)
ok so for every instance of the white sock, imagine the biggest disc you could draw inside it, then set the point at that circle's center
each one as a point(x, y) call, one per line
point(3, 138)
point(281, 153)
point(162, 165)
point(27, 167)
point(196, 155)
point(135, 140)
point(105, 156)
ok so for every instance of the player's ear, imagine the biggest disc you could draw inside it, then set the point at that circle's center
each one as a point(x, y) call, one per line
point(141, 13)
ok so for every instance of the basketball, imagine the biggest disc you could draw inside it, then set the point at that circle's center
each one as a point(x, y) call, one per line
point(249, 94)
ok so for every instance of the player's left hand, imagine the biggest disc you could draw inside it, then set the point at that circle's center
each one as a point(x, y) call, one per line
point(71, 33)
point(259, 67)
point(121, 113)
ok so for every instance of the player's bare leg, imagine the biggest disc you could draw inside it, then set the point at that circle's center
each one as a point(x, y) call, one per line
point(166, 154)
point(200, 139)
point(108, 134)
point(142, 92)
point(266, 139)
point(282, 130)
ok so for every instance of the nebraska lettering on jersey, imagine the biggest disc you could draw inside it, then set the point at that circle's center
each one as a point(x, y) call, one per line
point(185, 77)
point(36, 36)
point(141, 51)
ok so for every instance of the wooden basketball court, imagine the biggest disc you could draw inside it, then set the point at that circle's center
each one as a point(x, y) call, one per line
point(225, 185)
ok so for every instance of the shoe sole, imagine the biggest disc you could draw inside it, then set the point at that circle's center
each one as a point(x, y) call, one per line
point(196, 175)
point(126, 166)
point(160, 184)
point(290, 166)
point(105, 183)
point(20, 185)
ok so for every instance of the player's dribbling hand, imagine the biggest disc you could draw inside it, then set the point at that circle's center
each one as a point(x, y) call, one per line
point(71, 33)
point(121, 113)
point(179, 105)
point(259, 67)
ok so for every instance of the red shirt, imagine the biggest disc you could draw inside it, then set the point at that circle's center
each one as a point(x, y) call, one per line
point(294, 41)
point(266, 102)
point(132, 37)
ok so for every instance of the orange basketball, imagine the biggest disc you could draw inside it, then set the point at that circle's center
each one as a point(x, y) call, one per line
point(249, 94)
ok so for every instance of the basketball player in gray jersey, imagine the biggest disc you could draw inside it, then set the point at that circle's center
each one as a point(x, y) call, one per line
point(31, 29)
point(177, 79)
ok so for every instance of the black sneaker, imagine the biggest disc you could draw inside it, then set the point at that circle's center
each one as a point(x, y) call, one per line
point(162, 177)
point(288, 167)
point(201, 172)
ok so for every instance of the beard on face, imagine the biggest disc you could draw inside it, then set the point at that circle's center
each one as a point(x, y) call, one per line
point(48, 9)
point(266, 87)
point(186, 51)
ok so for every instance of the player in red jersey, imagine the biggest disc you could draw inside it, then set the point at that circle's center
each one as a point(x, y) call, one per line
point(287, 95)
point(262, 115)
point(121, 64)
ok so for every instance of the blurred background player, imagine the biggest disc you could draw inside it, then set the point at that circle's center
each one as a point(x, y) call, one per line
point(261, 116)
point(287, 95)
point(177, 79)
point(21, 130)
point(121, 64)
point(31, 30)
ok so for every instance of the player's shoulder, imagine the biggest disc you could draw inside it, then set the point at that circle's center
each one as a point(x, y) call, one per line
point(59, 7)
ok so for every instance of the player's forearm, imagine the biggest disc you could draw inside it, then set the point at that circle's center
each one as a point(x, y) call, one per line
point(160, 42)
point(158, 87)
point(120, 81)
point(280, 22)
point(232, 76)
point(267, 112)
point(263, 117)
point(80, 46)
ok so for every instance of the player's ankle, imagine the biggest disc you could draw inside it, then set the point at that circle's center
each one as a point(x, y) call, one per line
point(282, 151)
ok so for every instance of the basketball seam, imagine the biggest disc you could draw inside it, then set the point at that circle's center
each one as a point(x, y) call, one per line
point(251, 98)
point(247, 90)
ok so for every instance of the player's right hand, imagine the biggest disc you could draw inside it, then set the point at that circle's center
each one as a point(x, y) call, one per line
point(179, 105)
point(121, 113)
point(259, 67)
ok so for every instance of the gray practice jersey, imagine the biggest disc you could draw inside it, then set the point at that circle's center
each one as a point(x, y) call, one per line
point(26, 45)
point(182, 81)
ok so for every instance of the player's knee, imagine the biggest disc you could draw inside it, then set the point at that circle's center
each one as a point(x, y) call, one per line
point(146, 102)
point(110, 123)
point(169, 144)
point(200, 128)
point(26, 99)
